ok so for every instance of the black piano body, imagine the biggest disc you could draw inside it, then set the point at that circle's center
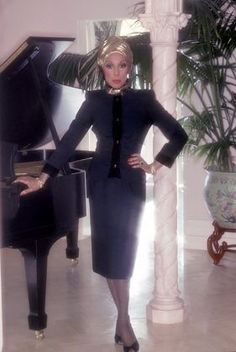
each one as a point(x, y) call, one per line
point(33, 111)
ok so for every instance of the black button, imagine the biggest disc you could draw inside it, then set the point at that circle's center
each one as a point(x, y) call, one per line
point(117, 142)
point(115, 166)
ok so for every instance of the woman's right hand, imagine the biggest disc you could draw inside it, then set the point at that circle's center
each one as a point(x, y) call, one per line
point(33, 183)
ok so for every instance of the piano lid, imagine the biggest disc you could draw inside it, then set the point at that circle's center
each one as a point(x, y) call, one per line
point(28, 97)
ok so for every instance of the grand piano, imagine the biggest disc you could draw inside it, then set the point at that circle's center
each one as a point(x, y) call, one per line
point(35, 110)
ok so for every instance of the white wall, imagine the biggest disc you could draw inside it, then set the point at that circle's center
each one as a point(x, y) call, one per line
point(20, 19)
point(197, 222)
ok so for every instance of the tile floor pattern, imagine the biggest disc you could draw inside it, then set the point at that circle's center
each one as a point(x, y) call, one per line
point(81, 317)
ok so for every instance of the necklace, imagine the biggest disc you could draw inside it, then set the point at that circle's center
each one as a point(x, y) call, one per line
point(115, 91)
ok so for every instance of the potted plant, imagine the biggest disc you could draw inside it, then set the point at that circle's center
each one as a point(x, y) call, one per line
point(207, 87)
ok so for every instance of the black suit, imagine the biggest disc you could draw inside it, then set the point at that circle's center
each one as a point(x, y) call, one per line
point(116, 190)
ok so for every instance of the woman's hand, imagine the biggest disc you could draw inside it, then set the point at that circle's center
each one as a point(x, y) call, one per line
point(33, 183)
point(136, 161)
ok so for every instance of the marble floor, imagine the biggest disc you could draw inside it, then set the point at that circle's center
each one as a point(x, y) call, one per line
point(81, 315)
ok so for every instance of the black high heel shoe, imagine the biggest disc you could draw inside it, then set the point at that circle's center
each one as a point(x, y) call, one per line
point(118, 339)
point(134, 347)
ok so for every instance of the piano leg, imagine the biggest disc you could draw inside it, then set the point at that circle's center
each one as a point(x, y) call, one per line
point(35, 256)
point(72, 250)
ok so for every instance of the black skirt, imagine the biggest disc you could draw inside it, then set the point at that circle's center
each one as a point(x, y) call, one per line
point(115, 213)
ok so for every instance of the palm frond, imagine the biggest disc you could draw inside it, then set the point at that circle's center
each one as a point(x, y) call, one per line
point(207, 70)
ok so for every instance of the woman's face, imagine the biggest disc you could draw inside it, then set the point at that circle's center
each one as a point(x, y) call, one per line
point(115, 70)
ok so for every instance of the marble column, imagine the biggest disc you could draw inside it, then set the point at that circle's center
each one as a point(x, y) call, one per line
point(164, 18)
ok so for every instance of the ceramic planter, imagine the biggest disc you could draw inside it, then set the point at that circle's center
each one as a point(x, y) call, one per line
point(220, 197)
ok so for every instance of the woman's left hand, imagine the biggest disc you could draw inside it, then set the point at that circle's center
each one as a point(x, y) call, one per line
point(136, 161)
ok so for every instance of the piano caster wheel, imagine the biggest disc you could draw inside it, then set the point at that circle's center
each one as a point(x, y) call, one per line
point(74, 262)
point(39, 334)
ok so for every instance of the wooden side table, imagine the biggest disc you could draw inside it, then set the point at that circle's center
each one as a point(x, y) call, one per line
point(215, 249)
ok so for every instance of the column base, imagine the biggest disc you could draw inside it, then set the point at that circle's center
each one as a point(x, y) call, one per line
point(162, 314)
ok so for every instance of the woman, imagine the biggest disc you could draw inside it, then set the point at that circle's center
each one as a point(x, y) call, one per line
point(120, 118)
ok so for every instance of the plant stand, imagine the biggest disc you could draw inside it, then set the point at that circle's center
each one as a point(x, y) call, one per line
point(215, 249)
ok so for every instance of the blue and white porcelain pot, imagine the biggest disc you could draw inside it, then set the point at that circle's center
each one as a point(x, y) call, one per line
point(220, 197)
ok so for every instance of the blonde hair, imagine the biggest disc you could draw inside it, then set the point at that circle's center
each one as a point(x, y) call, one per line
point(112, 45)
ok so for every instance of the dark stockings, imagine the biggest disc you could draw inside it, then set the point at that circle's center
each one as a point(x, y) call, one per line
point(120, 293)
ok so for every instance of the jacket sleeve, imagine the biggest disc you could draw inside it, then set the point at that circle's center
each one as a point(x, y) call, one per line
point(170, 128)
point(78, 128)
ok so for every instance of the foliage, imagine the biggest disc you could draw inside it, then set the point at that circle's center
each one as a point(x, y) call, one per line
point(206, 79)
point(207, 82)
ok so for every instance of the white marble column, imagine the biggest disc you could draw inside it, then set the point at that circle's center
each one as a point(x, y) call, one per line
point(164, 19)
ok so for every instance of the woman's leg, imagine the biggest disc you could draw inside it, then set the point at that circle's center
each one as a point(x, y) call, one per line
point(112, 289)
point(120, 293)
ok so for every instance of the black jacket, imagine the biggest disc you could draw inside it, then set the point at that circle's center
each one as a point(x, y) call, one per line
point(139, 111)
